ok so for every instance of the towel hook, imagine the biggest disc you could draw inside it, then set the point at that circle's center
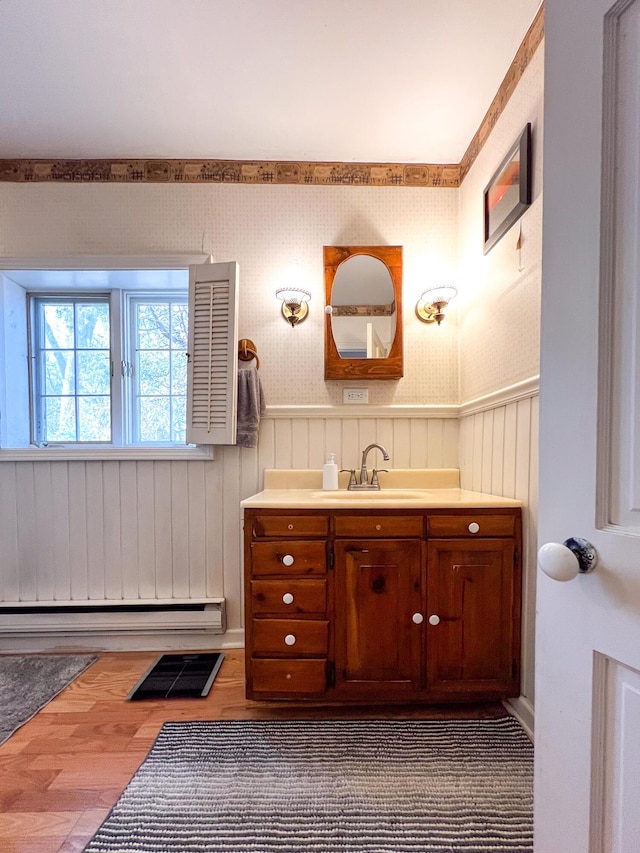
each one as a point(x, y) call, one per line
point(247, 351)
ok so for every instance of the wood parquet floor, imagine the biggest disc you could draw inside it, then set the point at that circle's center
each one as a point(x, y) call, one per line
point(63, 770)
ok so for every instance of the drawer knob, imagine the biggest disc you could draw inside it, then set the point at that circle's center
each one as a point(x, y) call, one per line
point(378, 527)
point(418, 618)
point(473, 527)
point(289, 526)
point(290, 639)
point(434, 620)
point(287, 598)
point(288, 560)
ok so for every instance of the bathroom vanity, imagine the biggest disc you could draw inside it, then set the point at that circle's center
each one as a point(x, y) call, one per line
point(408, 594)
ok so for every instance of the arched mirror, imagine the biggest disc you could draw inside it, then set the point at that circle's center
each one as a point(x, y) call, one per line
point(363, 329)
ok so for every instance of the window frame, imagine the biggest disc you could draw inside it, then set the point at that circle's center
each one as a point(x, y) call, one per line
point(104, 452)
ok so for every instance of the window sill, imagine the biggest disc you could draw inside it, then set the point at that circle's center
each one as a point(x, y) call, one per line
point(111, 454)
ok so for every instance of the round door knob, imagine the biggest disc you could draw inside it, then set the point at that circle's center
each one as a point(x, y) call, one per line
point(473, 527)
point(418, 618)
point(434, 620)
point(564, 562)
point(288, 560)
point(287, 598)
point(290, 639)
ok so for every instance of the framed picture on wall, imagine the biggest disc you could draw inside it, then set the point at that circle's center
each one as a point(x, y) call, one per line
point(508, 193)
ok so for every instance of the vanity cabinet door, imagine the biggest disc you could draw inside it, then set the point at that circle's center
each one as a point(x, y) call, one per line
point(378, 592)
point(473, 614)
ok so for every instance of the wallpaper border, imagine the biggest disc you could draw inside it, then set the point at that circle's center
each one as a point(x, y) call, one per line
point(271, 172)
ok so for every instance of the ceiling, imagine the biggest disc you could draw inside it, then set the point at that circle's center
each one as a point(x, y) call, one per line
point(395, 81)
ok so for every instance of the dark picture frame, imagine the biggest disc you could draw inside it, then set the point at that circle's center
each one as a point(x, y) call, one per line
point(508, 193)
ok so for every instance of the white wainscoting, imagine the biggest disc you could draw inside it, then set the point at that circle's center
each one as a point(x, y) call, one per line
point(109, 531)
point(499, 454)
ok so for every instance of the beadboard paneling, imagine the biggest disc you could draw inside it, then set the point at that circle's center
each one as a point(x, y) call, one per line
point(499, 454)
point(108, 531)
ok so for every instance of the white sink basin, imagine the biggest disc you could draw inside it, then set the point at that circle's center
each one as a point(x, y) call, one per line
point(373, 494)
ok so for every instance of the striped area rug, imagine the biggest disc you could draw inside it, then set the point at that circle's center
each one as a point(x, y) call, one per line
point(380, 786)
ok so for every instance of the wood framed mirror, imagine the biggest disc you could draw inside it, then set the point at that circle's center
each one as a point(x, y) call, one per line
point(363, 328)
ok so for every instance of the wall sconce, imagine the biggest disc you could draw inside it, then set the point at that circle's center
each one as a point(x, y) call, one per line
point(294, 303)
point(430, 307)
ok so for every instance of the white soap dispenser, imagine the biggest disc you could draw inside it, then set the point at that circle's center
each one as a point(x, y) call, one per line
point(330, 474)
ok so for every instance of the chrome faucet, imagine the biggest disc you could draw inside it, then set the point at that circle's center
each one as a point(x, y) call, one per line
point(364, 474)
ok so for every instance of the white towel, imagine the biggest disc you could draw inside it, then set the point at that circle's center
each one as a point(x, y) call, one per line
point(251, 406)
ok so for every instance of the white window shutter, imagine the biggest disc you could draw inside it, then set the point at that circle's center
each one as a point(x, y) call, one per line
point(212, 375)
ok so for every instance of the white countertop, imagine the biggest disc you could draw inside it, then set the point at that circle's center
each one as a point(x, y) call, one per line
point(400, 489)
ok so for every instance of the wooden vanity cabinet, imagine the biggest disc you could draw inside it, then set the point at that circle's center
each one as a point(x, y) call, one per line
point(383, 605)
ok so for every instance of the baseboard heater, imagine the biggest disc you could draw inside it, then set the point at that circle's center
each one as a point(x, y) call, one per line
point(88, 617)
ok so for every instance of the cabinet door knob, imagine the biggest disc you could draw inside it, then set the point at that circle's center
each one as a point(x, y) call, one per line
point(290, 639)
point(287, 598)
point(288, 560)
point(473, 527)
point(418, 618)
point(434, 620)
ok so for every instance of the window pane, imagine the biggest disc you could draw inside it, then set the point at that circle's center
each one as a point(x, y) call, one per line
point(153, 373)
point(92, 326)
point(72, 360)
point(59, 372)
point(179, 406)
point(94, 416)
point(179, 326)
point(155, 419)
point(57, 326)
point(160, 373)
point(60, 419)
point(153, 326)
point(94, 374)
point(178, 373)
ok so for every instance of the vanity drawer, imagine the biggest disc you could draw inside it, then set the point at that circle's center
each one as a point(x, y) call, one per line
point(288, 598)
point(379, 525)
point(290, 525)
point(289, 676)
point(291, 637)
point(472, 525)
point(309, 558)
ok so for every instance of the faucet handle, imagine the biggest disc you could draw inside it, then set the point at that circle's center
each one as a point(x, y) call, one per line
point(374, 476)
point(352, 476)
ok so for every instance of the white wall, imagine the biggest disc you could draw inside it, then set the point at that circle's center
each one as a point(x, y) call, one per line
point(110, 530)
point(499, 301)
point(499, 343)
point(264, 228)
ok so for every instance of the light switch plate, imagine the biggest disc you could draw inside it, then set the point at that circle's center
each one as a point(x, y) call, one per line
point(355, 395)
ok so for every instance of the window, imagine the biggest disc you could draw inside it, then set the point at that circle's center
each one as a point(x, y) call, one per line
point(93, 361)
point(108, 368)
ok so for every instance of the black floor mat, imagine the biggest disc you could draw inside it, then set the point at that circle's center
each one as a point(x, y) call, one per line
point(178, 677)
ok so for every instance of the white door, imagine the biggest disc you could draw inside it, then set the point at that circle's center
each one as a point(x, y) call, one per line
point(587, 796)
